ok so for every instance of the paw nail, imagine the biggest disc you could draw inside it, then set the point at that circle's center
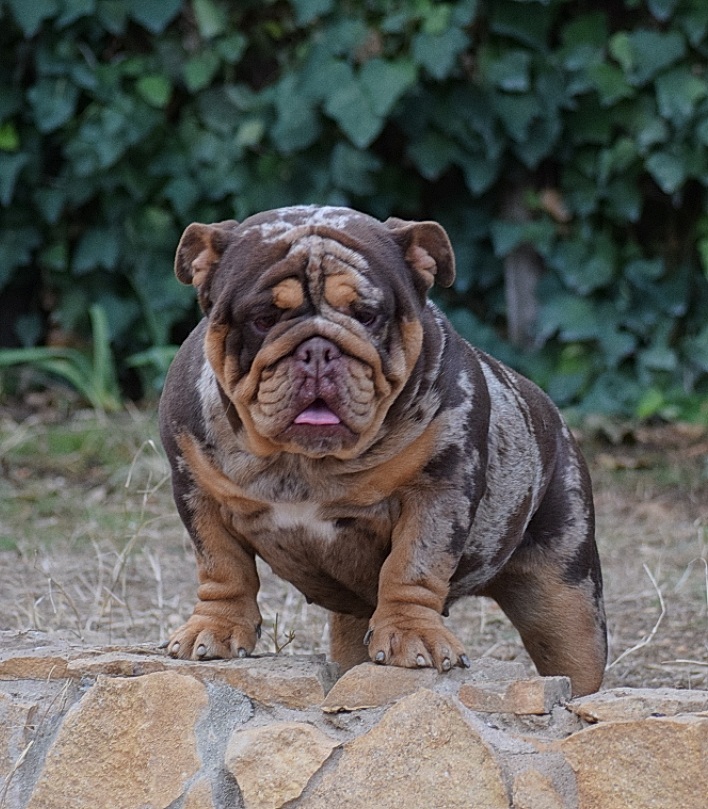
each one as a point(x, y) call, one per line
point(420, 660)
point(242, 652)
point(465, 661)
point(164, 644)
point(446, 664)
point(367, 637)
point(174, 649)
point(201, 650)
point(258, 631)
point(380, 657)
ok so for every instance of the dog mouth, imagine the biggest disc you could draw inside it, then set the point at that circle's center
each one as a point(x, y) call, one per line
point(319, 430)
point(318, 414)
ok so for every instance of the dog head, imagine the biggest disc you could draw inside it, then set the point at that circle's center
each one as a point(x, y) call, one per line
point(313, 320)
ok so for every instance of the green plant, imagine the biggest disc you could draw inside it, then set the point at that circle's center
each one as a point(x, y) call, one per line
point(574, 130)
point(92, 374)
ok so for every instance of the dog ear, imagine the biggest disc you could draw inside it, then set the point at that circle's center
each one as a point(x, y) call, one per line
point(198, 255)
point(427, 250)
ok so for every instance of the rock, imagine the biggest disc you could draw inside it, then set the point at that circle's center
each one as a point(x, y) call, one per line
point(279, 680)
point(533, 790)
point(130, 740)
point(294, 682)
point(119, 663)
point(273, 764)
point(535, 695)
point(33, 664)
point(423, 752)
point(199, 796)
point(629, 704)
point(648, 764)
point(371, 686)
point(16, 718)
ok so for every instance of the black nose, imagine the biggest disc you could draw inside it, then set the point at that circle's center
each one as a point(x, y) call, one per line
point(317, 354)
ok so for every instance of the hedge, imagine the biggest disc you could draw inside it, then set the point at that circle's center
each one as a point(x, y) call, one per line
point(563, 144)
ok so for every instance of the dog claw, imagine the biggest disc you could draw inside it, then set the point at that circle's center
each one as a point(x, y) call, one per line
point(242, 652)
point(446, 664)
point(420, 660)
point(367, 637)
point(465, 661)
point(380, 657)
point(174, 649)
point(164, 644)
point(201, 650)
point(259, 630)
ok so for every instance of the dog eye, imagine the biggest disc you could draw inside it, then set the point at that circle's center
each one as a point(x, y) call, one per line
point(264, 323)
point(367, 317)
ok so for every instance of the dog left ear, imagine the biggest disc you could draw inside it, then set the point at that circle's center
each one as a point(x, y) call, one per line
point(199, 253)
point(427, 250)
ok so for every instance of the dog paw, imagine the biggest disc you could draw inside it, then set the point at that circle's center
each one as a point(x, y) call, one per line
point(414, 640)
point(204, 638)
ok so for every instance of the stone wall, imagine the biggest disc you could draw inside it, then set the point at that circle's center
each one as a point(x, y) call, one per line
point(126, 728)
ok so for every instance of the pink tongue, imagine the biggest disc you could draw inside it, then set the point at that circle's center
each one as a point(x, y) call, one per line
point(318, 414)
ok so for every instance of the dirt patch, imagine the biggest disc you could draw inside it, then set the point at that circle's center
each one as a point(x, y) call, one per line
point(90, 545)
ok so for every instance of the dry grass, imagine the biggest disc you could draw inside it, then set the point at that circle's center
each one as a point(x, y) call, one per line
point(91, 545)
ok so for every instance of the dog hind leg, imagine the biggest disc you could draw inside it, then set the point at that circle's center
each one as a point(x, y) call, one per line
point(346, 638)
point(551, 590)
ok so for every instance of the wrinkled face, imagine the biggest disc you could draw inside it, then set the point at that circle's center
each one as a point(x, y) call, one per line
point(313, 322)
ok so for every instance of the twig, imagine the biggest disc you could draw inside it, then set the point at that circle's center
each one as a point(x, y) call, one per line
point(650, 637)
point(10, 775)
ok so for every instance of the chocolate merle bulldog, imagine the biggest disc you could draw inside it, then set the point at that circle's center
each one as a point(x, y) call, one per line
point(325, 416)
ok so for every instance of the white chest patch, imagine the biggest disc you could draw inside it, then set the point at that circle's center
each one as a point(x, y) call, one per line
point(303, 516)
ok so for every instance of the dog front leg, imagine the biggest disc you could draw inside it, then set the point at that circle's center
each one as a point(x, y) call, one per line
point(406, 628)
point(226, 620)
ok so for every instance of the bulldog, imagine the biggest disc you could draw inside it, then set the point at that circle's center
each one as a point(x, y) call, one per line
point(325, 416)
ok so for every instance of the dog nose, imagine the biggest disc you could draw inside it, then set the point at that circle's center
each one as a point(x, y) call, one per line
point(317, 354)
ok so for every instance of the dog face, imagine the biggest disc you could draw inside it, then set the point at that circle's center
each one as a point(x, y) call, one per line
point(313, 320)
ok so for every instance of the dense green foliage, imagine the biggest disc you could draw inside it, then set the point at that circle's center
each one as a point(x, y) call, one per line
point(121, 121)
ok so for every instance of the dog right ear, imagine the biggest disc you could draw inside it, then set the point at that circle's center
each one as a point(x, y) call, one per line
point(199, 253)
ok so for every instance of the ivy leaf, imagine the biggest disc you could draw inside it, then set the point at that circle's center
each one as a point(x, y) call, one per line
point(437, 52)
point(668, 170)
point(572, 317)
point(677, 94)
point(480, 171)
point(211, 18)
point(610, 83)
point(9, 137)
point(53, 103)
point(297, 125)
point(308, 10)
point(200, 70)
point(517, 113)
point(644, 53)
point(155, 89)
point(99, 247)
point(507, 71)
point(433, 154)
point(352, 169)
point(30, 15)
point(386, 81)
point(10, 167)
point(154, 15)
point(528, 24)
point(662, 9)
point(540, 142)
point(351, 108)
point(74, 10)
